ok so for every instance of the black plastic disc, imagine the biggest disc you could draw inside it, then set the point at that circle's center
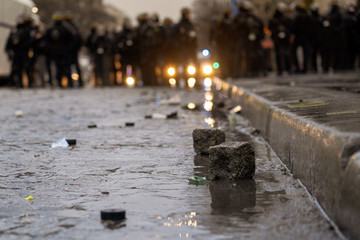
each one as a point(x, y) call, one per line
point(71, 141)
point(115, 214)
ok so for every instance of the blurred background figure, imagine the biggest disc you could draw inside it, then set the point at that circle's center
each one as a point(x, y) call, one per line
point(102, 47)
point(19, 47)
point(222, 39)
point(249, 32)
point(352, 35)
point(167, 50)
point(59, 39)
point(126, 47)
point(281, 29)
point(255, 52)
point(315, 36)
point(75, 47)
point(302, 32)
point(90, 45)
point(185, 39)
point(146, 44)
point(333, 39)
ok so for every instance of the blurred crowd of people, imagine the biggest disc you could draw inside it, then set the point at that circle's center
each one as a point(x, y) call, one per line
point(35, 51)
point(143, 50)
point(303, 40)
point(241, 44)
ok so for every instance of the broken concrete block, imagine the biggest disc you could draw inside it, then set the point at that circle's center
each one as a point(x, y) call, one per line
point(206, 138)
point(232, 160)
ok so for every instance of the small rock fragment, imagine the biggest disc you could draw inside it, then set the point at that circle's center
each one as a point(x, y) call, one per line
point(92, 125)
point(19, 114)
point(206, 138)
point(130, 124)
point(232, 160)
point(255, 132)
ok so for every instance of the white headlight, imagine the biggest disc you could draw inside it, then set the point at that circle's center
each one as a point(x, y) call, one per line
point(130, 81)
point(191, 70)
point(207, 69)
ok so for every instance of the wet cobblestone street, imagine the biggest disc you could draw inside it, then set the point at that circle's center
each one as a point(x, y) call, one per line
point(143, 169)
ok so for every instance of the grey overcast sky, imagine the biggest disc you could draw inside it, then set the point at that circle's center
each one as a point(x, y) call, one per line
point(165, 8)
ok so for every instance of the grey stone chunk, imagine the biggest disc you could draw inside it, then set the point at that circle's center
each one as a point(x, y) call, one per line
point(206, 138)
point(232, 160)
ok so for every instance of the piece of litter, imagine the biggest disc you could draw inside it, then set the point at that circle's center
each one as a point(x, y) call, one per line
point(71, 142)
point(158, 116)
point(173, 115)
point(29, 198)
point(198, 181)
point(115, 214)
point(19, 114)
point(60, 143)
point(175, 100)
point(129, 124)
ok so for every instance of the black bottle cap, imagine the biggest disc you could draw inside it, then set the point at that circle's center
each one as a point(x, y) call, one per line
point(115, 214)
point(71, 141)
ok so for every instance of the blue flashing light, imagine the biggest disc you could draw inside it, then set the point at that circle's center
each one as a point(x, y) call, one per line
point(205, 52)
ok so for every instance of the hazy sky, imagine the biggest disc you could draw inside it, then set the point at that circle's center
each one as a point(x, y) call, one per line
point(165, 8)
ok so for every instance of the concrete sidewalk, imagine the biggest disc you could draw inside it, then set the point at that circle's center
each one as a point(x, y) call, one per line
point(313, 124)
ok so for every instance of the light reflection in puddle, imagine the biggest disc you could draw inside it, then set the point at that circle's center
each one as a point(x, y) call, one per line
point(209, 96)
point(209, 122)
point(172, 222)
point(187, 235)
point(191, 106)
point(208, 106)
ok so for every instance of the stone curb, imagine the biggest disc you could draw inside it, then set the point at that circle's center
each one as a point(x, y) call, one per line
point(320, 156)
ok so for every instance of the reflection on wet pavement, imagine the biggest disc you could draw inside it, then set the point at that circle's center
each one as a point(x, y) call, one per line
point(143, 169)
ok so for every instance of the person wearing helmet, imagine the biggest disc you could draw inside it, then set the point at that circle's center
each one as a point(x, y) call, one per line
point(241, 33)
point(158, 42)
point(352, 35)
point(145, 42)
point(333, 39)
point(281, 30)
point(249, 29)
point(75, 45)
point(185, 37)
point(302, 32)
point(221, 38)
point(18, 46)
point(168, 44)
point(102, 57)
point(127, 49)
point(58, 38)
point(315, 35)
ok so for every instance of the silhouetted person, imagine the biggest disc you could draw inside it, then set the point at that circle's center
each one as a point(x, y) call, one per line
point(281, 30)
